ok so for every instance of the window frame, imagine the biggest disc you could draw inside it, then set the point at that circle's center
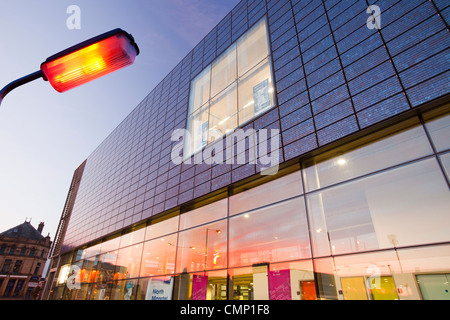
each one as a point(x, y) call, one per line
point(190, 151)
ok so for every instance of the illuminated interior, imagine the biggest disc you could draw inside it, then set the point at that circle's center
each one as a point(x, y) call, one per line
point(370, 223)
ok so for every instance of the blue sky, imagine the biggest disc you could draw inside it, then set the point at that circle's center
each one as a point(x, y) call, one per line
point(46, 135)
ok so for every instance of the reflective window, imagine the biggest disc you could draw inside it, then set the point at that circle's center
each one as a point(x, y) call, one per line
point(381, 211)
point(107, 266)
point(292, 281)
point(158, 256)
point(210, 212)
point(372, 224)
point(401, 147)
point(210, 285)
point(358, 277)
point(200, 89)
point(430, 268)
point(255, 92)
point(198, 126)
point(236, 87)
point(252, 48)
point(110, 245)
point(92, 251)
point(101, 291)
point(242, 282)
point(124, 290)
point(404, 274)
point(128, 262)
point(270, 192)
point(282, 281)
point(202, 248)
point(132, 237)
point(223, 71)
point(162, 228)
point(223, 113)
point(275, 233)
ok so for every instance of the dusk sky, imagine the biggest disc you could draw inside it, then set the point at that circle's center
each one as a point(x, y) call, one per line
point(46, 135)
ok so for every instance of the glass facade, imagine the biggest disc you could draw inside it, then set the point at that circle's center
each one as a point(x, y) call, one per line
point(359, 208)
point(367, 220)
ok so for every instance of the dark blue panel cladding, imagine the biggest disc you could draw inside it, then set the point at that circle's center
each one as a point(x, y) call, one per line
point(333, 77)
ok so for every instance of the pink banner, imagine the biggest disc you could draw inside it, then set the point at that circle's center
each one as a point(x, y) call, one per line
point(280, 285)
point(199, 287)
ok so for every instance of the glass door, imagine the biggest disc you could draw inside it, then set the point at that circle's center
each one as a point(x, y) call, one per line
point(383, 288)
point(353, 288)
point(434, 286)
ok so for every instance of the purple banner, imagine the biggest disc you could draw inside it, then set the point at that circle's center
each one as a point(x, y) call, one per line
point(199, 287)
point(280, 285)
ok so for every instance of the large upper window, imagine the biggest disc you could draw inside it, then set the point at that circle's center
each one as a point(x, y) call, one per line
point(232, 90)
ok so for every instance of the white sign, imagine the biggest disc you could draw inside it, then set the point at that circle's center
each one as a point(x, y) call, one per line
point(261, 96)
point(159, 289)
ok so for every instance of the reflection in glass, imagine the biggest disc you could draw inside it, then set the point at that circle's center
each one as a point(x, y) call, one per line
point(131, 238)
point(198, 126)
point(202, 248)
point(92, 251)
point(200, 89)
point(100, 291)
point(381, 211)
point(110, 245)
point(252, 48)
point(128, 262)
point(223, 71)
point(223, 112)
point(292, 281)
point(210, 285)
point(162, 228)
point(280, 189)
point(379, 229)
point(401, 147)
point(425, 265)
point(158, 256)
point(275, 233)
point(241, 284)
point(107, 266)
point(124, 290)
point(370, 276)
point(214, 211)
point(214, 107)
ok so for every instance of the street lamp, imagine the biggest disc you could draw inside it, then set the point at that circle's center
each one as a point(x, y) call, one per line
point(83, 62)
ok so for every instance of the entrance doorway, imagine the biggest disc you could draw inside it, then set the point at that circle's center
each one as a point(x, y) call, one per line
point(308, 290)
point(353, 288)
point(434, 286)
point(383, 288)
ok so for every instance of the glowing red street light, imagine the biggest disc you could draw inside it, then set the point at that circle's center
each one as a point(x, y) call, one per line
point(83, 62)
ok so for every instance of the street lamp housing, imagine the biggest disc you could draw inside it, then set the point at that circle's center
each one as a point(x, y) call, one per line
point(90, 60)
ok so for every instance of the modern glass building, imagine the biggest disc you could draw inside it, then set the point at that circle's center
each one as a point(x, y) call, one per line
point(315, 164)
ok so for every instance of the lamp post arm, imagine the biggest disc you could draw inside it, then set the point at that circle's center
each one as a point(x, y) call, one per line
point(17, 83)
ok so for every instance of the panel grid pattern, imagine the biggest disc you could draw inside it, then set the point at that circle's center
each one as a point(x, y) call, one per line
point(333, 76)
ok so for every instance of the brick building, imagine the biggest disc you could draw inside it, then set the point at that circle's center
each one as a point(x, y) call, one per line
point(356, 118)
point(23, 254)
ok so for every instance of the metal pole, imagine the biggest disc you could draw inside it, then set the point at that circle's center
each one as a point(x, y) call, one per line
point(17, 83)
